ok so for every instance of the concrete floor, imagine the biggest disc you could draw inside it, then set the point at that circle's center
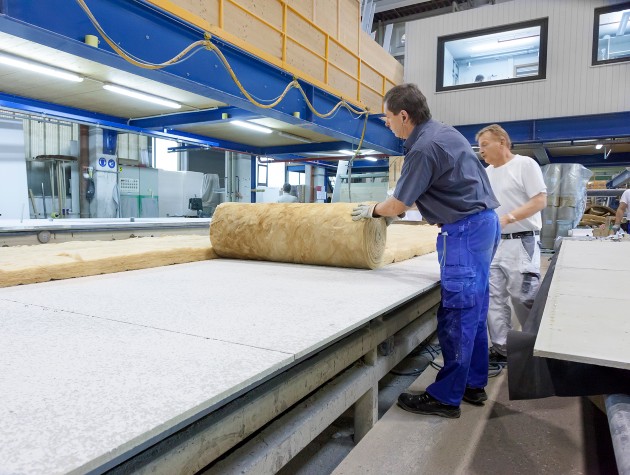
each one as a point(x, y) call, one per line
point(543, 436)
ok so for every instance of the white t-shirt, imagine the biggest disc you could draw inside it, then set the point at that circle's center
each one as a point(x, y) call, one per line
point(625, 198)
point(514, 184)
point(287, 198)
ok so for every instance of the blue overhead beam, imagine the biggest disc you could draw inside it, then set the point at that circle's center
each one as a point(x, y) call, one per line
point(586, 127)
point(33, 106)
point(154, 35)
point(46, 109)
point(596, 160)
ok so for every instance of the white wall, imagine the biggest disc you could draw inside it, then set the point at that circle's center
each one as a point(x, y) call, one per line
point(573, 87)
point(174, 191)
point(13, 187)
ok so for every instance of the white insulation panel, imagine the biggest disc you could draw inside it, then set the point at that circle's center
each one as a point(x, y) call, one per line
point(585, 318)
point(95, 368)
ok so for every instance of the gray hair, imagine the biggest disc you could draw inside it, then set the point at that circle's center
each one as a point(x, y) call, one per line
point(409, 98)
point(498, 132)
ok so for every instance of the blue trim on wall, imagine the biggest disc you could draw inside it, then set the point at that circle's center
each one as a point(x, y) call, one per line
point(597, 126)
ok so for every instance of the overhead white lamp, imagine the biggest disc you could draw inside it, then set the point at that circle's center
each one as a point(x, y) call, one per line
point(361, 153)
point(39, 68)
point(141, 96)
point(249, 125)
point(293, 137)
point(503, 43)
point(598, 146)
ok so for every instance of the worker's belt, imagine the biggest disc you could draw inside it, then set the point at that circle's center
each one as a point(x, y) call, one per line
point(520, 235)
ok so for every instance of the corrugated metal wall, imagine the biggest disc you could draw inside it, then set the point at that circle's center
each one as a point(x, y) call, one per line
point(573, 87)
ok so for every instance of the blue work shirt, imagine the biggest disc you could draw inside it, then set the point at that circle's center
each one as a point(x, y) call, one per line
point(442, 175)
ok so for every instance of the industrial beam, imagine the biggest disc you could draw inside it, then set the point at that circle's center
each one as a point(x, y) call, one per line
point(586, 127)
point(541, 155)
point(619, 180)
point(154, 35)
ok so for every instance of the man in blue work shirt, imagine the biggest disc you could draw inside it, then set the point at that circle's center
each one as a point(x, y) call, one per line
point(444, 178)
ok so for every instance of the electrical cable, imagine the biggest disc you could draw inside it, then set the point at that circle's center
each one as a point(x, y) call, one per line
point(494, 369)
point(428, 349)
point(207, 44)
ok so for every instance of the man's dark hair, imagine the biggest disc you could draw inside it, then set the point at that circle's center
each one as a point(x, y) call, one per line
point(286, 188)
point(408, 97)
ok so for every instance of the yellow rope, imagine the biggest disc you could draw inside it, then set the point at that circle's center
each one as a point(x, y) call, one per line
point(207, 44)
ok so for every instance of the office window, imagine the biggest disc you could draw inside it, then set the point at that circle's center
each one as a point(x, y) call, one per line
point(611, 34)
point(505, 54)
point(262, 174)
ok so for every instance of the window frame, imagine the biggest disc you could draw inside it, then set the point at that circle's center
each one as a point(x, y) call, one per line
point(261, 169)
point(597, 13)
point(542, 55)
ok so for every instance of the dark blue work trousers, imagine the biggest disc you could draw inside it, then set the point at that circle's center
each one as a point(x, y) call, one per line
point(465, 250)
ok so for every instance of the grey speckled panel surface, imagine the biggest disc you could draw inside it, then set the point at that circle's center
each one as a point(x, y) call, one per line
point(585, 317)
point(75, 389)
point(91, 368)
point(283, 307)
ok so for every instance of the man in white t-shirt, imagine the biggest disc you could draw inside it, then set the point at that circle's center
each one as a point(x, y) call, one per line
point(286, 196)
point(622, 210)
point(518, 184)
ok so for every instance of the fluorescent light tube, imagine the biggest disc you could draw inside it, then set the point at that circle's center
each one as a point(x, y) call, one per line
point(141, 96)
point(361, 153)
point(502, 44)
point(293, 137)
point(249, 125)
point(371, 159)
point(598, 146)
point(39, 68)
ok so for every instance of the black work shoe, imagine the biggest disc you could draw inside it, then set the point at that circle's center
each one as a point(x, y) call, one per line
point(475, 396)
point(497, 358)
point(426, 404)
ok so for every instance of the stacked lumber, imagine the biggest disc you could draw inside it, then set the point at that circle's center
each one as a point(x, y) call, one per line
point(595, 216)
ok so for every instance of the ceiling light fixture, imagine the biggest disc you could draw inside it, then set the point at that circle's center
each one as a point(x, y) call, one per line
point(598, 146)
point(293, 137)
point(141, 96)
point(346, 152)
point(249, 125)
point(39, 68)
point(371, 159)
point(504, 43)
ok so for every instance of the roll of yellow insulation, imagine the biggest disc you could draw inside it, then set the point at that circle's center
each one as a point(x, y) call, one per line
point(301, 233)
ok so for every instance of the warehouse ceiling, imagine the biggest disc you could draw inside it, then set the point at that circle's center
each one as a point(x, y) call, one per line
point(388, 11)
point(206, 114)
point(209, 109)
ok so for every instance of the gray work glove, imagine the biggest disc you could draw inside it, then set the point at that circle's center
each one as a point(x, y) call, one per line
point(362, 211)
point(615, 228)
point(365, 210)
